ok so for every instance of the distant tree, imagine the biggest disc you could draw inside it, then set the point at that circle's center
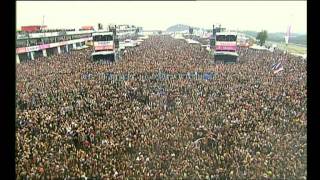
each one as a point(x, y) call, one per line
point(262, 37)
point(100, 26)
point(251, 41)
point(190, 30)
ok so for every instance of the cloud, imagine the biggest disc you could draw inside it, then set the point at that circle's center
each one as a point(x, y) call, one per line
point(270, 15)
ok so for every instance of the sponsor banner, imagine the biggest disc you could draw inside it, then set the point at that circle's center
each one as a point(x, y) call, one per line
point(103, 43)
point(66, 42)
point(33, 48)
point(225, 43)
point(44, 46)
point(63, 43)
point(226, 48)
point(22, 36)
point(54, 45)
point(107, 47)
point(21, 50)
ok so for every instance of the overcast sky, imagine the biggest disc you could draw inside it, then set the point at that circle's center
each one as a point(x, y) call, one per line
point(273, 16)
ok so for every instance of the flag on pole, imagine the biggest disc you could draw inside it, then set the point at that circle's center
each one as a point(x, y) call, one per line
point(287, 36)
point(278, 68)
point(275, 66)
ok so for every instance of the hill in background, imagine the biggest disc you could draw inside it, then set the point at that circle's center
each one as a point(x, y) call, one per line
point(180, 27)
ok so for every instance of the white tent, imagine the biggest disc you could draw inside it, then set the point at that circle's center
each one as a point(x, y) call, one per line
point(145, 37)
point(257, 47)
point(178, 36)
point(190, 41)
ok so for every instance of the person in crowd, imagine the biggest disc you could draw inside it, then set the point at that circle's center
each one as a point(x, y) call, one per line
point(150, 116)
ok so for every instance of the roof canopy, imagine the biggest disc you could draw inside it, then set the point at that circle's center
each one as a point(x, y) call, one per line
point(226, 53)
point(102, 33)
point(102, 53)
point(226, 33)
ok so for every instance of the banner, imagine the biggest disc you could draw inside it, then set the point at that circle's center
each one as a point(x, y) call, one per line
point(223, 48)
point(63, 43)
point(21, 50)
point(106, 47)
point(44, 46)
point(33, 48)
point(103, 43)
point(54, 45)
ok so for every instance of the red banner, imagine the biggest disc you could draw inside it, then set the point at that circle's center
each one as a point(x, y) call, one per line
point(21, 50)
point(44, 46)
point(107, 47)
point(233, 48)
point(33, 48)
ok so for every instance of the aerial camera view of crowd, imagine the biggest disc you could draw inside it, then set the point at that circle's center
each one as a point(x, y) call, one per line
point(152, 114)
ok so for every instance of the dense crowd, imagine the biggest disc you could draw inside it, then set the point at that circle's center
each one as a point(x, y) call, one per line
point(244, 123)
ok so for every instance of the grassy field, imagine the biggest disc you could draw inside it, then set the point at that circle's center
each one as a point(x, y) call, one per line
point(292, 48)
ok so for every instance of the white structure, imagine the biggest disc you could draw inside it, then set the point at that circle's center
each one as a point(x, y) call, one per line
point(59, 50)
point(178, 36)
point(130, 43)
point(47, 42)
point(63, 41)
point(44, 52)
point(17, 59)
point(32, 55)
point(257, 47)
point(104, 46)
point(145, 37)
point(225, 48)
point(190, 41)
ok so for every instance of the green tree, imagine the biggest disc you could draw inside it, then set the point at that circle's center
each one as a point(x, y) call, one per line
point(190, 30)
point(262, 37)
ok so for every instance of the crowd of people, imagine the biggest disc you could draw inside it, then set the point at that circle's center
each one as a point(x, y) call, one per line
point(244, 123)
